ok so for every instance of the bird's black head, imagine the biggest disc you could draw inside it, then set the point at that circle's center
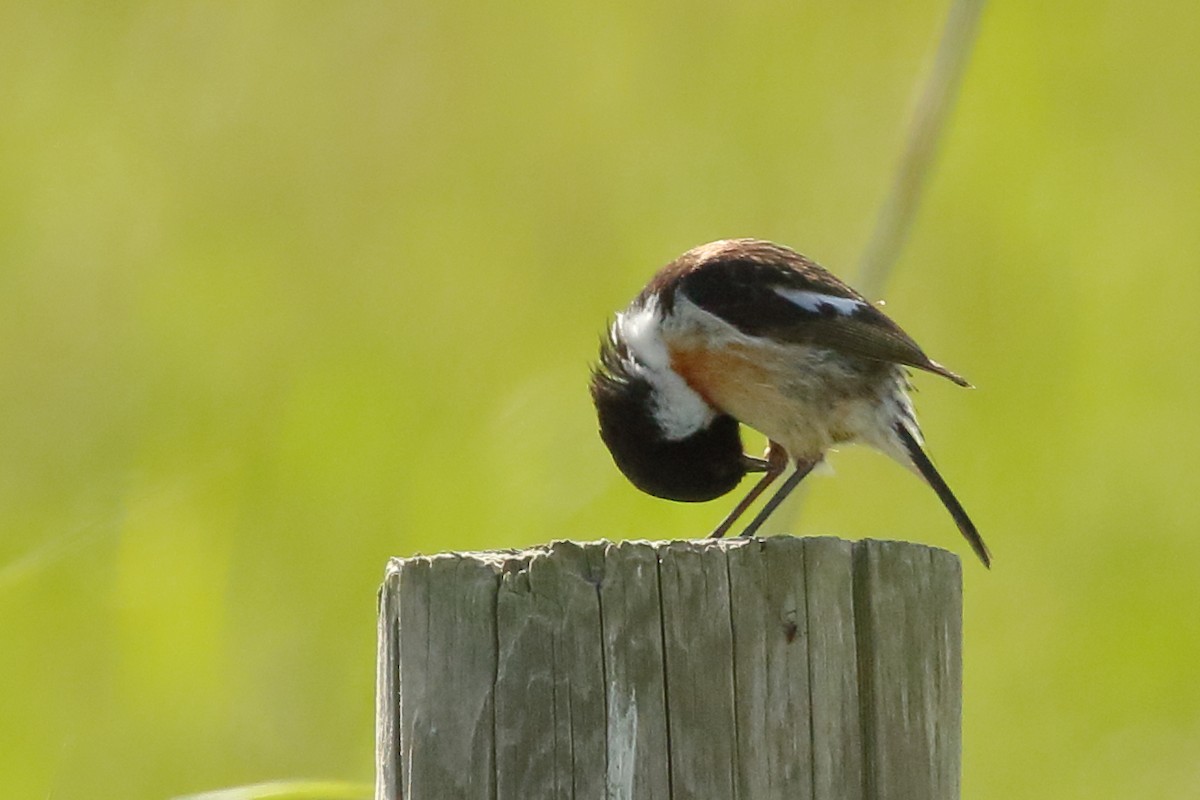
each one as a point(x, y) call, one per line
point(701, 466)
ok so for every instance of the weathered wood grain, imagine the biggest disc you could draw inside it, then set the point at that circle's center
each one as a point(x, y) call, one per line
point(698, 649)
point(550, 713)
point(636, 731)
point(909, 622)
point(447, 669)
point(771, 669)
point(763, 669)
point(837, 754)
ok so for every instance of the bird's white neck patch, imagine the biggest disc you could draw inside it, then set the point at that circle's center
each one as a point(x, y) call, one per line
point(678, 409)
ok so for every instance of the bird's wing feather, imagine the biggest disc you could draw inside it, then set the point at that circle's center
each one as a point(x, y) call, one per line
point(783, 296)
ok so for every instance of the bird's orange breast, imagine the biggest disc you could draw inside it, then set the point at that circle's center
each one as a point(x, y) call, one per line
point(777, 391)
point(731, 378)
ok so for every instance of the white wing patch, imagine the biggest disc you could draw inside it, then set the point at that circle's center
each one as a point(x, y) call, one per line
point(815, 301)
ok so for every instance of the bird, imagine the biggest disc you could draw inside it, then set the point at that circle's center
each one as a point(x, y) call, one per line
point(749, 332)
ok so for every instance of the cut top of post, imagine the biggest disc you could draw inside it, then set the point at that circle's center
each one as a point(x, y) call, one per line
point(756, 669)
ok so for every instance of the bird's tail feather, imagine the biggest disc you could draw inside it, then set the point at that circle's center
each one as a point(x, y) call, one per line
point(931, 476)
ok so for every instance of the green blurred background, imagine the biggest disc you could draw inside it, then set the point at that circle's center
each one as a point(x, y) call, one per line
point(289, 288)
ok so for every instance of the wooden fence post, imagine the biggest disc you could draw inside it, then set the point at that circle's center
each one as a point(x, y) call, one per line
point(762, 669)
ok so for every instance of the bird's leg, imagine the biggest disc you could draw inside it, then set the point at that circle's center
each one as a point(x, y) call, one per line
point(802, 469)
point(772, 467)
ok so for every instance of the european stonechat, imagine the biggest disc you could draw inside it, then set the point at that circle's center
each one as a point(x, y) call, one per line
point(744, 331)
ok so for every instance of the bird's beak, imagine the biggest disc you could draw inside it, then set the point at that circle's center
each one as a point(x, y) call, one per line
point(752, 464)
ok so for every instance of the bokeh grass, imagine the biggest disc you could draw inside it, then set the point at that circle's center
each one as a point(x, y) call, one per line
point(288, 288)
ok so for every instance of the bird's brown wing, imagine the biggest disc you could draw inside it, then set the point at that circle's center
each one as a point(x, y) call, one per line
point(770, 291)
